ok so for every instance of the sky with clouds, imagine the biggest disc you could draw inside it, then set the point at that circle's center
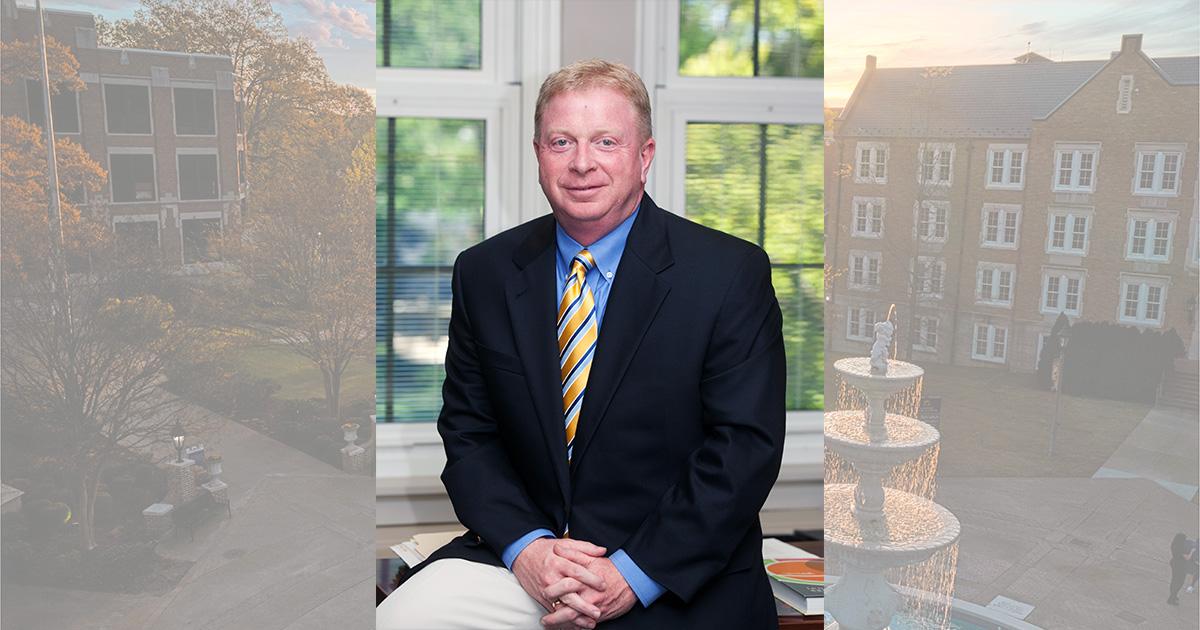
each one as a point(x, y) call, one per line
point(343, 32)
point(977, 32)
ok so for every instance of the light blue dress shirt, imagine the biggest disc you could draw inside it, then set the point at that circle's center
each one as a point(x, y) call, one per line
point(607, 253)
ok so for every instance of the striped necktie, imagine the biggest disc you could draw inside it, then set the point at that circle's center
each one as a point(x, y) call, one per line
point(577, 333)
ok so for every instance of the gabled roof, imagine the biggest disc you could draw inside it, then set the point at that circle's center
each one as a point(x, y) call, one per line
point(993, 101)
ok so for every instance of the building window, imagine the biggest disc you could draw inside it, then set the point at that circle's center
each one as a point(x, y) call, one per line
point(195, 112)
point(932, 220)
point(860, 324)
point(868, 217)
point(1075, 167)
point(994, 284)
point(864, 270)
point(136, 234)
point(724, 38)
point(1006, 166)
point(198, 177)
point(64, 106)
point(1062, 291)
point(1149, 237)
point(131, 176)
point(1001, 225)
point(1125, 94)
point(925, 336)
point(872, 163)
point(1068, 232)
point(127, 108)
point(1143, 299)
point(991, 343)
point(200, 239)
point(931, 273)
point(448, 34)
point(1157, 170)
point(937, 161)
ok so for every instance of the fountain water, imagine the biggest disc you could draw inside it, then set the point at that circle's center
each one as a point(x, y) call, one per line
point(893, 546)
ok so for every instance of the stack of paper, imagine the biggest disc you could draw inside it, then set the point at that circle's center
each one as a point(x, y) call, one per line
point(414, 550)
point(797, 577)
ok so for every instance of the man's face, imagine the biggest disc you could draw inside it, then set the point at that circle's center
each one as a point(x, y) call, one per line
point(592, 160)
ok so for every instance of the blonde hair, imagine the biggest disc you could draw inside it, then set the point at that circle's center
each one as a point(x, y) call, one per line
point(594, 73)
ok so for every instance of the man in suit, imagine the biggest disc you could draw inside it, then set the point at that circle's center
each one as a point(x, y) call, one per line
point(613, 410)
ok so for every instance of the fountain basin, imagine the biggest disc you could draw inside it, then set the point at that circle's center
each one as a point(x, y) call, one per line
point(903, 438)
point(857, 372)
point(912, 529)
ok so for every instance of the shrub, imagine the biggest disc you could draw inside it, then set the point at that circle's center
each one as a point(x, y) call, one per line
point(1106, 360)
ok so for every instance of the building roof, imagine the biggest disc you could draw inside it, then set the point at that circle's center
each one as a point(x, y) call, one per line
point(993, 101)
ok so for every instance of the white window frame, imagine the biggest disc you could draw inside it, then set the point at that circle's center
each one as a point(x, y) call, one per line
point(940, 162)
point(929, 235)
point(180, 152)
point(1062, 276)
point(867, 256)
point(29, 111)
point(140, 218)
point(1077, 150)
point(921, 333)
point(120, 80)
point(924, 264)
point(133, 151)
point(185, 216)
point(990, 330)
point(1152, 220)
point(1160, 153)
point(871, 203)
point(1144, 283)
point(1072, 215)
point(993, 297)
point(195, 85)
point(1004, 211)
point(866, 331)
point(873, 151)
point(1007, 151)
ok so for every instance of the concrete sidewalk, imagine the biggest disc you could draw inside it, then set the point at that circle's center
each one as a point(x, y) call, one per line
point(1161, 448)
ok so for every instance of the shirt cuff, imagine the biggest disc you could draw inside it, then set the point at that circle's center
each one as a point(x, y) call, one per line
point(646, 589)
point(512, 551)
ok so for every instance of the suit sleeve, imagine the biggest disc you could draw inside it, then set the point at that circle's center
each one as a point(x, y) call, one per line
point(726, 480)
point(487, 494)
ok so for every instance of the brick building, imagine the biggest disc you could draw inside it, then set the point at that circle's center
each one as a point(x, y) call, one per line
point(983, 201)
point(164, 126)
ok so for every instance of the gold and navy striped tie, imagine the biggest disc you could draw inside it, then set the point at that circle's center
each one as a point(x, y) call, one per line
point(577, 333)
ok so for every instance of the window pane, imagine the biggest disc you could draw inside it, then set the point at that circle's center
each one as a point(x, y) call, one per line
point(763, 183)
point(199, 239)
point(198, 177)
point(132, 177)
point(194, 115)
point(717, 38)
point(429, 207)
point(127, 108)
point(444, 34)
point(63, 104)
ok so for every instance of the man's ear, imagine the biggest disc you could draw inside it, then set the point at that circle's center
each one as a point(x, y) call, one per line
point(647, 154)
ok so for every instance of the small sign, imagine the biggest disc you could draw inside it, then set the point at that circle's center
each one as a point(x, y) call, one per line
point(931, 412)
point(1010, 607)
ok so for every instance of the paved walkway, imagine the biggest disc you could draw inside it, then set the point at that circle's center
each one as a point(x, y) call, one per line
point(1161, 448)
point(297, 553)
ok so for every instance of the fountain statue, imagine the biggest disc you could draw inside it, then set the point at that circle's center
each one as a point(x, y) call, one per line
point(873, 530)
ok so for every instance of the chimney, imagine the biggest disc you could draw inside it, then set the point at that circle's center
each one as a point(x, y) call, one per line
point(870, 64)
point(1131, 43)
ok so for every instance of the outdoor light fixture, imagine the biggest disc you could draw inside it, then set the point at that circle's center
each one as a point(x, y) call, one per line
point(177, 438)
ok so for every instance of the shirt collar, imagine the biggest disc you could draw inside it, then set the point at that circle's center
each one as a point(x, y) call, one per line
point(606, 251)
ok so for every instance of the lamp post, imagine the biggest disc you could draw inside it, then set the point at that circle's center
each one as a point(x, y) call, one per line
point(177, 437)
point(1061, 361)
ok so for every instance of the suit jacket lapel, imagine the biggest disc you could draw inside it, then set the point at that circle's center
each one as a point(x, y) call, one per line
point(633, 303)
point(531, 297)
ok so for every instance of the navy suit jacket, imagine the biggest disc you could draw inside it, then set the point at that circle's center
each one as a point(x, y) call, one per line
point(681, 434)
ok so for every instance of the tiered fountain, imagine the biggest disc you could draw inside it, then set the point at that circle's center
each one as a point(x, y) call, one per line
point(883, 522)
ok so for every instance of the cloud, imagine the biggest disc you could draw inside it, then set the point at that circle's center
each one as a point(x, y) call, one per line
point(1032, 28)
point(353, 22)
point(321, 35)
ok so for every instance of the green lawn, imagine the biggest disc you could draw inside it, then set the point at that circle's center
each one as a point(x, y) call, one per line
point(299, 379)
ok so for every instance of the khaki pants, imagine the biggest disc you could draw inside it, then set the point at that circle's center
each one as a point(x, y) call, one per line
point(459, 594)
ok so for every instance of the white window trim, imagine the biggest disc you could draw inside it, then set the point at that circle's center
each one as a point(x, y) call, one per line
point(851, 317)
point(866, 255)
point(1063, 274)
point(132, 151)
point(140, 218)
point(196, 85)
point(1009, 150)
point(882, 202)
point(1078, 148)
point(996, 268)
point(1143, 148)
point(919, 207)
point(1005, 209)
point(499, 25)
point(78, 114)
point(941, 147)
point(1088, 213)
point(1164, 282)
point(1193, 259)
point(919, 328)
point(179, 152)
point(990, 357)
point(1153, 219)
point(138, 81)
point(870, 178)
point(920, 263)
